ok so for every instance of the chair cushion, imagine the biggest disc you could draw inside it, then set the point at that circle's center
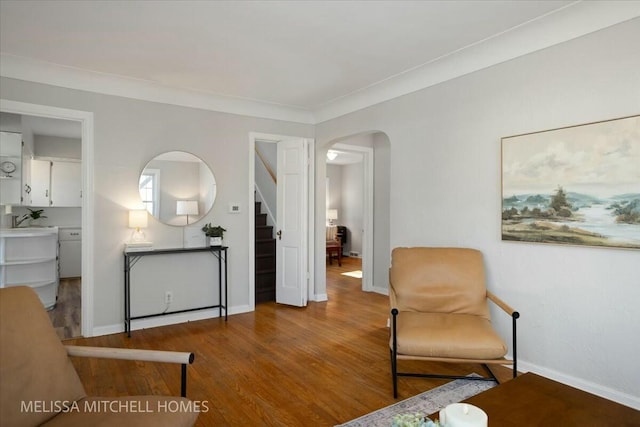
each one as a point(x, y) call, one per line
point(34, 366)
point(157, 411)
point(438, 280)
point(447, 335)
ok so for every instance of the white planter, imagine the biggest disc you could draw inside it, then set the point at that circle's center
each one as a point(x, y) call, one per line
point(215, 241)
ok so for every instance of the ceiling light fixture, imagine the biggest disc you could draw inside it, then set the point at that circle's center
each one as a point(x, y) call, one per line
point(331, 155)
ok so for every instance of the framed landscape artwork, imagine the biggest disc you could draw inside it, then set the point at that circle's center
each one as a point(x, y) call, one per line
point(577, 185)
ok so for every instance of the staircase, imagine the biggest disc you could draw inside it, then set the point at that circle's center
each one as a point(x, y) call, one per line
point(265, 258)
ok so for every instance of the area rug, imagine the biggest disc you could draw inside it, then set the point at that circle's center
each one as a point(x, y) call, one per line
point(426, 403)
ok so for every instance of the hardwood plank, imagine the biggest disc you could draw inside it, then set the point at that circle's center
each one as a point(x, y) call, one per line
point(65, 316)
point(278, 366)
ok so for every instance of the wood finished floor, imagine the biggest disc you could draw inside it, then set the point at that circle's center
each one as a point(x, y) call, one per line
point(279, 366)
point(65, 316)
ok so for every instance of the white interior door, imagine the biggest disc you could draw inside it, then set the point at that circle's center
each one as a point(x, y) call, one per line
point(291, 235)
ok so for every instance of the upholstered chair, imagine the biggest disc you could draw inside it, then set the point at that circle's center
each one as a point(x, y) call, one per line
point(39, 384)
point(440, 311)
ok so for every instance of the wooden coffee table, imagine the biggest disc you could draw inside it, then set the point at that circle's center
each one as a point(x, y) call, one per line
point(532, 400)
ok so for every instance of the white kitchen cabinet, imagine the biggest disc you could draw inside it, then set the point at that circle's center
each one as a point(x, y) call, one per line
point(70, 252)
point(66, 184)
point(40, 183)
point(10, 168)
point(29, 257)
point(56, 183)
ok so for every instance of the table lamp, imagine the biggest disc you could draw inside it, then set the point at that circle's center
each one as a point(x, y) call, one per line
point(332, 215)
point(138, 220)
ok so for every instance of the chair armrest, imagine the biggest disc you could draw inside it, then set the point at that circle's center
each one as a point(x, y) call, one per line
point(131, 354)
point(503, 305)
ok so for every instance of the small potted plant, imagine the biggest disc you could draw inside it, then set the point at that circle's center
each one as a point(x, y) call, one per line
point(33, 216)
point(215, 234)
point(413, 420)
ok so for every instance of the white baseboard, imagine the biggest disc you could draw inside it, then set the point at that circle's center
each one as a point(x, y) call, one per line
point(382, 291)
point(169, 319)
point(579, 383)
point(319, 297)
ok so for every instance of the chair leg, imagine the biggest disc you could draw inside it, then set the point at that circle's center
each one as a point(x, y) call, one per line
point(394, 374)
point(183, 381)
point(514, 343)
point(394, 353)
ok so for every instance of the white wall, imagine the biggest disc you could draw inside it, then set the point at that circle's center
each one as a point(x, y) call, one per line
point(10, 122)
point(381, 212)
point(580, 320)
point(56, 146)
point(127, 134)
point(352, 196)
point(334, 174)
point(264, 182)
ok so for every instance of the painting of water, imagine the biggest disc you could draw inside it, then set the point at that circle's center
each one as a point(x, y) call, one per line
point(578, 185)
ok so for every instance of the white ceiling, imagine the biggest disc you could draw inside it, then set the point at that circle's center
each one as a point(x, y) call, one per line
point(300, 60)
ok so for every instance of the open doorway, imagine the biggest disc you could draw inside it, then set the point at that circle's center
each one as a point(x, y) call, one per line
point(51, 161)
point(358, 194)
point(347, 204)
point(281, 231)
point(61, 139)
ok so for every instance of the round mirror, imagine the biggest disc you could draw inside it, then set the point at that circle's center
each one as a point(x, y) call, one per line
point(177, 188)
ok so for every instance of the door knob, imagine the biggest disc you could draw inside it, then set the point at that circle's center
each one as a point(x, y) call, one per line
point(279, 234)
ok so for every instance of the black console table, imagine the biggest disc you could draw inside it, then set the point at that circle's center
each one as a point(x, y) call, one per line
point(132, 257)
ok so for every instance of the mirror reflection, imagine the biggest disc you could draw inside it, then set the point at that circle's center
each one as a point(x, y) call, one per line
point(177, 188)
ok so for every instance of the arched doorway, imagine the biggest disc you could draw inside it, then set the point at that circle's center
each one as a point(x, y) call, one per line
point(361, 207)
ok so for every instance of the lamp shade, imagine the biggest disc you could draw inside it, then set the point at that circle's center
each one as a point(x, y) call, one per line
point(187, 207)
point(138, 219)
point(332, 214)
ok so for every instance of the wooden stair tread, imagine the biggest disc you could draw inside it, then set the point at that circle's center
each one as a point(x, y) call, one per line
point(265, 258)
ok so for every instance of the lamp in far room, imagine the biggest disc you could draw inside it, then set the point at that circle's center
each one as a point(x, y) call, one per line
point(331, 155)
point(332, 215)
point(187, 207)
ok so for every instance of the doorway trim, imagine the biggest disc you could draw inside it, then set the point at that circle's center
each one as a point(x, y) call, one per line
point(273, 138)
point(86, 120)
point(367, 217)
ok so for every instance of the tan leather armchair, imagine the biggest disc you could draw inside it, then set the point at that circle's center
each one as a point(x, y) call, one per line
point(439, 311)
point(40, 386)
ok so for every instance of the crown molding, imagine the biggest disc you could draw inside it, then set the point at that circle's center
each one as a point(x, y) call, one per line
point(574, 20)
point(32, 70)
